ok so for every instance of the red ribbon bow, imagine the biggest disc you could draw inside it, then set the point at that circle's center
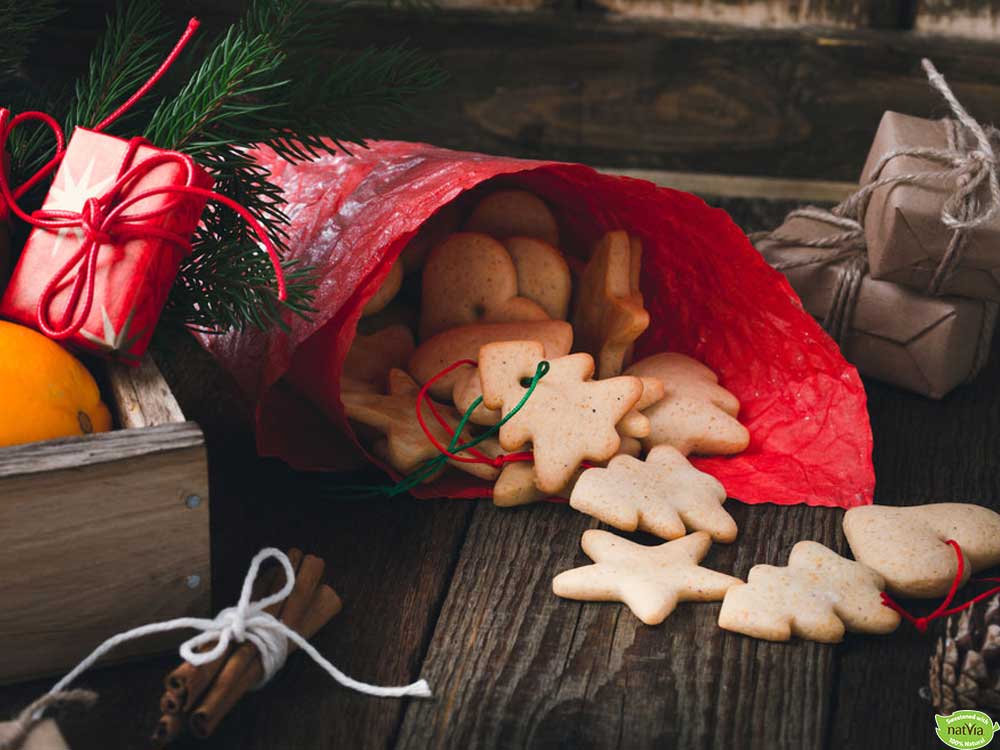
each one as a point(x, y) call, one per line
point(105, 220)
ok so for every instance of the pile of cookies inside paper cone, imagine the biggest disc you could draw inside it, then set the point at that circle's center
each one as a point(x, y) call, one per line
point(492, 350)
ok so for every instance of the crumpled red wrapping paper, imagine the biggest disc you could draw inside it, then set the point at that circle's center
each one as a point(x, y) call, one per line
point(709, 294)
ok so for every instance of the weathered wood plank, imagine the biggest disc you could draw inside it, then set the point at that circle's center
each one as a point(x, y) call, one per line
point(141, 396)
point(105, 447)
point(979, 19)
point(744, 187)
point(756, 13)
point(97, 548)
point(925, 451)
point(515, 666)
point(673, 96)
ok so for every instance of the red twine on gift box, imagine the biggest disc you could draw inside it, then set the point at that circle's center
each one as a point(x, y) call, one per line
point(103, 219)
point(921, 623)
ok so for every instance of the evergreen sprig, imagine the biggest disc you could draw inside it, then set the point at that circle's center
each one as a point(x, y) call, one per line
point(23, 20)
point(269, 79)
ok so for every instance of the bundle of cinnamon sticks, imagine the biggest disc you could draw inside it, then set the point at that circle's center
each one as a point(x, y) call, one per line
point(199, 697)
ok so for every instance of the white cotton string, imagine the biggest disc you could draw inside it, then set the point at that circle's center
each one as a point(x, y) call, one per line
point(245, 622)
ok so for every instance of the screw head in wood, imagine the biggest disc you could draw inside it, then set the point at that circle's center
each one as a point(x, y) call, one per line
point(193, 581)
point(192, 501)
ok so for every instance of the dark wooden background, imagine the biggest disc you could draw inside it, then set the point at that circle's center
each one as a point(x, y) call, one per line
point(459, 592)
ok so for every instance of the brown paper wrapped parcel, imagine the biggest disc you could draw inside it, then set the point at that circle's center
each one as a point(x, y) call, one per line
point(906, 236)
point(924, 344)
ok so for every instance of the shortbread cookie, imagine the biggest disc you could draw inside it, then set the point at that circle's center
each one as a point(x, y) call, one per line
point(696, 415)
point(467, 389)
point(514, 213)
point(906, 546)
point(386, 292)
point(817, 596)
point(432, 233)
point(470, 278)
point(516, 486)
point(648, 580)
point(371, 357)
point(630, 446)
point(664, 495)
point(542, 274)
point(635, 424)
point(407, 447)
point(568, 418)
point(609, 315)
point(437, 353)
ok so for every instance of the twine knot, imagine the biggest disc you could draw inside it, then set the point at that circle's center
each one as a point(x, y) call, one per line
point(245, 621)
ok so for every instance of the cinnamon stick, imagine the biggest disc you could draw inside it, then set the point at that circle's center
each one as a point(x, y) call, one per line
point(172, 701)
point(192, 681)
point(324, 606)
point(308, 608)
point(168, 729)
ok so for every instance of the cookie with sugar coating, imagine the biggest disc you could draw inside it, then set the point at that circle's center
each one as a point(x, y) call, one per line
point(696, 414)
point(818, 596)
point(568, 418)
point(514, 213)
point(448, 347)
point(907, 545)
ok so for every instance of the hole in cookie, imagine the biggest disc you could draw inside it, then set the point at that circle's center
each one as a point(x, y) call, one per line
point(526, 382)
point(479, 310)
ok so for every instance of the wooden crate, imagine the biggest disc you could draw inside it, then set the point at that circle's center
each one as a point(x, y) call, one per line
point(104, 532)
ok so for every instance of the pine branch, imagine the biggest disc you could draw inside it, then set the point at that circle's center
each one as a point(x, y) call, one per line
point(21, 21)
point(126, 55)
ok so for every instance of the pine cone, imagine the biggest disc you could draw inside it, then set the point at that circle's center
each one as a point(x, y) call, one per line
point(965, 666)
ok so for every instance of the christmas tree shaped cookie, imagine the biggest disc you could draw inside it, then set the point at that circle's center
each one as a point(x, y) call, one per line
point(569, 418)
point(609, 314)
point(406, 446)
point(648, 580)
point(696, 415)
point(817, 596)
point(664, 495)
point(907, 546)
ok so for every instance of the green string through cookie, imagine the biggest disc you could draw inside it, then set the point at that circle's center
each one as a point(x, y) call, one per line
point(433, 465)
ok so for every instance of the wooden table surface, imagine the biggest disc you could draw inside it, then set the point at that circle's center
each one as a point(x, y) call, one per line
point(459, 592)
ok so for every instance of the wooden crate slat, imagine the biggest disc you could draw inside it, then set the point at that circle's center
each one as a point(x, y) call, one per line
point(754, 13)
point(515, 666)
point(96, 548)
point(105, 447)
point(141, 396)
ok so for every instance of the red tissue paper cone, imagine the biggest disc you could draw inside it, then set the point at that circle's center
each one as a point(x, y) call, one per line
point(709, 294)
point(133, 273)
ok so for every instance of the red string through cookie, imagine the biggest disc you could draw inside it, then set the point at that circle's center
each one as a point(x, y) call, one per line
point(477, 457)
point(921, 623)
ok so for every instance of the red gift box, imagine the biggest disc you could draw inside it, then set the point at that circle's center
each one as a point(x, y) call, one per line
point(709, 295)
point(110, 299)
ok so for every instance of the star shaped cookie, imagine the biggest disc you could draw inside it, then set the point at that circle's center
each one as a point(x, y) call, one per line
point(609, 314)
point(664, 495)
point(817, 596)
point(696, 415)
point(569, 418)
point(395, 415)
point(648, 580)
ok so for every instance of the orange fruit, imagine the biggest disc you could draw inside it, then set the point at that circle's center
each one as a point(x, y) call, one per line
point(45, 392)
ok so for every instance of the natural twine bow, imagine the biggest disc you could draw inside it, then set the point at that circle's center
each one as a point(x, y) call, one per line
point(971, 163)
